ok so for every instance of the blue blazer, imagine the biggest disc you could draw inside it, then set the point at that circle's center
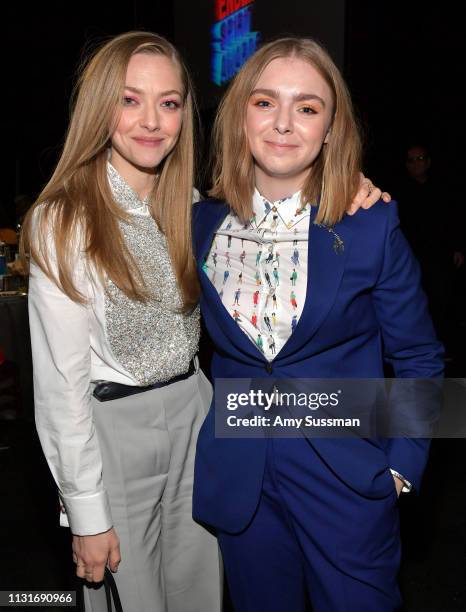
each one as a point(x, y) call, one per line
point(364, 304)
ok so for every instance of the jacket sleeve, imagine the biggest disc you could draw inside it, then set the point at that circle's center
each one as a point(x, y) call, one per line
point(61, 354)
point(411, 347)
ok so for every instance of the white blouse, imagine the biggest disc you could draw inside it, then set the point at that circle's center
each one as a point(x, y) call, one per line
point(260, 269)
point(109, 338)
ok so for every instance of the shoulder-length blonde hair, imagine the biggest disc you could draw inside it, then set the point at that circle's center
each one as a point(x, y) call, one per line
point(334, 176)
point(78, 199)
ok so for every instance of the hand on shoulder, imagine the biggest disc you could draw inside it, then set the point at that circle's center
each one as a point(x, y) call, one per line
point(368, 195)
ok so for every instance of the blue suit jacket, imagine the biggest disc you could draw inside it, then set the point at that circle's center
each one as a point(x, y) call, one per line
point(363, 305)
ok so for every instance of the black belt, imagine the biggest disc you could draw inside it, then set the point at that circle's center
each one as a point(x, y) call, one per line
point(106, 390)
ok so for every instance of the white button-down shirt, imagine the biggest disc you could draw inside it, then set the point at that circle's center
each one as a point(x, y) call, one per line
point(72, 346)
point(260, 269)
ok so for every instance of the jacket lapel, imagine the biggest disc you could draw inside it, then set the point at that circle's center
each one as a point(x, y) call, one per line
point(207, 218)
point(326, 263)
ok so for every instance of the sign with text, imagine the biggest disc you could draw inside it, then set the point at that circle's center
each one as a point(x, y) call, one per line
point(233, 40)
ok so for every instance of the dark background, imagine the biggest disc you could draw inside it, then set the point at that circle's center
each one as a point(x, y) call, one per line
point(404, 63)
point(324, 20)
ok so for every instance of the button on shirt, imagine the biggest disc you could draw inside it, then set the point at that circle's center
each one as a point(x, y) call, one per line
point(260, 269)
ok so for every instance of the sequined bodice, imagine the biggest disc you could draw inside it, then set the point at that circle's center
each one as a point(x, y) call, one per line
point(152, 339)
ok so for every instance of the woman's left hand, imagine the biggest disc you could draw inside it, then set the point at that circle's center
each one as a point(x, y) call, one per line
point(368, 194)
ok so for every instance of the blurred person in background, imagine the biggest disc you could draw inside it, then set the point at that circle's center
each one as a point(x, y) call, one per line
point(434, 223)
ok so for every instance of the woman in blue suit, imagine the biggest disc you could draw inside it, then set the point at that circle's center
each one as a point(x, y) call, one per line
point(292, 289)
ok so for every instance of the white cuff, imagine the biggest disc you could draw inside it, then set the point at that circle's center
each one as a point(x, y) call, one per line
point(407, 486)
point(86, 515)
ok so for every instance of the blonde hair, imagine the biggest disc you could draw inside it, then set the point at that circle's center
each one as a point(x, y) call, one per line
point(334, 176)
point(78, 199)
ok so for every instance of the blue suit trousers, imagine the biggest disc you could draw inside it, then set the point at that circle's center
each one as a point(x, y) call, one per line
point(313, 538)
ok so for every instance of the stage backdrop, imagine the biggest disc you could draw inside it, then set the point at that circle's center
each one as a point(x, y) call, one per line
point(217, 36)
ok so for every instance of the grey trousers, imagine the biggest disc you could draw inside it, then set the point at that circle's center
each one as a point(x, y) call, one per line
point(169, 563)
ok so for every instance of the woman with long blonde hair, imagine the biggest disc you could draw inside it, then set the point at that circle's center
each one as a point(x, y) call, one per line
point(119, 396)
point(294, 288)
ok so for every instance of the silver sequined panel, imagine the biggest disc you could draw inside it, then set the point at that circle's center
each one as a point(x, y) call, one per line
point(150, 340)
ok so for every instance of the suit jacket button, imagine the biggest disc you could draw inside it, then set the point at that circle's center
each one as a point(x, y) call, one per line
point(268, 368)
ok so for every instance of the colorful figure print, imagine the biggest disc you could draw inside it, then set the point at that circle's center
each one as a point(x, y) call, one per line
point(267, 322)
point(293, 278)
point(267, 278)
point(254, 319)
point(258, 257)
point(276, 277)
point(227, 256)
point(274, 319)
point(226, 274)
point(274, 224)
point(240, 278)
point(260, 342)
point(236, 316)
point(255, 297)
point(295, 257)
point(241, 257)
point(214, 258)
point(237, 296)
point(272, 345)
point(257, 276)
point(294, 322)
point(293, 300)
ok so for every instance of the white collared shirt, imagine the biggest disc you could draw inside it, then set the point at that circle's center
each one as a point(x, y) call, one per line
point(260, 269)
point(109, 338)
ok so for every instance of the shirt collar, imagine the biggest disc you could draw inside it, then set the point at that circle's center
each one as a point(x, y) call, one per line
point(289, 209)
point(123, 193)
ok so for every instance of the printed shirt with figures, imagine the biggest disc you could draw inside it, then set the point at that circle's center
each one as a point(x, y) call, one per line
point(260, 272)
point(260, 269)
